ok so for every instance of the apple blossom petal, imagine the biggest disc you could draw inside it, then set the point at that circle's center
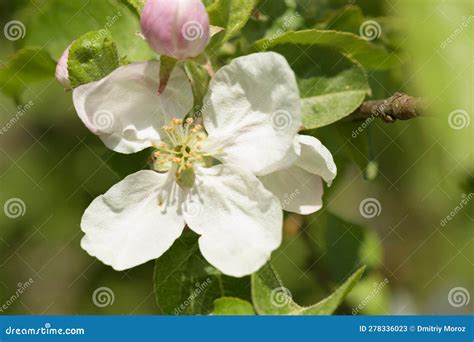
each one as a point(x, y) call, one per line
point(298, 190)
point(133, 222)
point(252, 112)
point(124, 108)
point(300, 187)
point(316, 158)
point(240, 222)
point(62, 73)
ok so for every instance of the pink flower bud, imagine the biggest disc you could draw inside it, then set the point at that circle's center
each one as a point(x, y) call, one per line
point(62, 74)
point(175, 28)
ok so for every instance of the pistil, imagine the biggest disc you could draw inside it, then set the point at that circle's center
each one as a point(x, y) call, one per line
point(182, 150)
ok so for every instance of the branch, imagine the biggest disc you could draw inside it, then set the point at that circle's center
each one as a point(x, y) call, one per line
point(397, 107)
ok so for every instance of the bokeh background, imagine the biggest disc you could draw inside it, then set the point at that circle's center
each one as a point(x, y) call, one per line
point(419, 171)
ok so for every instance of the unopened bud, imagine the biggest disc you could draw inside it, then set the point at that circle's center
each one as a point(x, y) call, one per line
point(175, 28)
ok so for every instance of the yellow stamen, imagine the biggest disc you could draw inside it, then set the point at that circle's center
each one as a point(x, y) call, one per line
point(182, 148)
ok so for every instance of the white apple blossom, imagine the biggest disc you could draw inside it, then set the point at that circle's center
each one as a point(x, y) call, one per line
point(226, 181)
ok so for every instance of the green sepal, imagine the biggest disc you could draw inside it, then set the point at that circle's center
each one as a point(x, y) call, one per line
point(92, 57)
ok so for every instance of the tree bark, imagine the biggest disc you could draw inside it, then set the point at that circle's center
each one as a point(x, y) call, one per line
point(397, 107)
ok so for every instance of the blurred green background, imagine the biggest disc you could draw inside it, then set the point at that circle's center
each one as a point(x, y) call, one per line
point(53, 166)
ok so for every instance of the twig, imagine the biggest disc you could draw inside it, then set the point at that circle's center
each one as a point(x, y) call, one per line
point(397, 107)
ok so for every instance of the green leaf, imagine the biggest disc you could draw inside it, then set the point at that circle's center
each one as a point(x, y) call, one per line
point(329, 304)
point(348, 245)
point(331, 85)
point(348, 19)
point(230, 306)
point(273, 17)
point(343, 245)
point(208, 3)
point(24, 67)
point(271, 298)
point(92, 57)
point(231, 15)
point(369, 55)
point(185, 284)
point(54, 24)
point(371, 296)
point(314, 10)
point(135, 5)
point(351, 18)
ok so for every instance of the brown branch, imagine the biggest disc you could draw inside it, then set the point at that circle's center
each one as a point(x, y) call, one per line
point(397, 107)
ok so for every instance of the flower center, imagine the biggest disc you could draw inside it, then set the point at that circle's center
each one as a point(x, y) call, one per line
point(180, 150)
